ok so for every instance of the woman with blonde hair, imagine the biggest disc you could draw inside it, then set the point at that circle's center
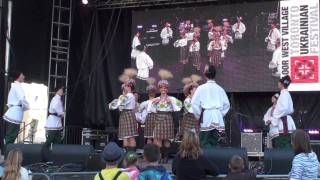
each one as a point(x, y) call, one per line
point(13, 169)
point(189, 162)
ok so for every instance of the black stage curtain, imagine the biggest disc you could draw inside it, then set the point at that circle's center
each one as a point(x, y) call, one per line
point(30, 38)
point(97, 59)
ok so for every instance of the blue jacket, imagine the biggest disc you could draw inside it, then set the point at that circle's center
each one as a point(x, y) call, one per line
point(154, 173)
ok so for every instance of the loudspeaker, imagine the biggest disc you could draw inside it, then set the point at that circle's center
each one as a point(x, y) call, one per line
point(278, 161)
point(95, 162)
point(32, 153)
point(252, 142)
point(221, 156)
point(61, 154)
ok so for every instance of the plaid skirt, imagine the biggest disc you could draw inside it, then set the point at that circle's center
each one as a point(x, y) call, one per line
point(189, 121)
point(150, 124)
point(215, 57)
point(127, 125)
point(164, 128)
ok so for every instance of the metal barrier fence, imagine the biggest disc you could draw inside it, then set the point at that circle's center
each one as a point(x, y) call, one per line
point(90, 176)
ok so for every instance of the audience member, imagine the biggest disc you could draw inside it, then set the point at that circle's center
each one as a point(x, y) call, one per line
point(1, 164)
point(12, 167)
point(305, 164)
point(189, 162)
point(112, 155)
point(153, 171)
point(236, 166)
point(130, 162)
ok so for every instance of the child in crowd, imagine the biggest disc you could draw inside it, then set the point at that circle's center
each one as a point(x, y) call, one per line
point(236, 167)
point(130, 162)
point(153, 170)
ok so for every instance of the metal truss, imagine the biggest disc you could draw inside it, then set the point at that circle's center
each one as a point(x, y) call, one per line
point(117, 4)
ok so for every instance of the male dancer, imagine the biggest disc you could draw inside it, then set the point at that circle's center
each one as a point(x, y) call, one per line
point(53, 123)
point(210, 104)
point(17, 104)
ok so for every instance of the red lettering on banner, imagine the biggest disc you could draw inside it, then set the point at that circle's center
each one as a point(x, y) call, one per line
point(305, 69)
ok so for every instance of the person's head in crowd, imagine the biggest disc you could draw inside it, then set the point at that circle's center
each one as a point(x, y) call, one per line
point(18, 76)
point(168, 24)
point(210, 72)
point(60, 91)
point(236, 164)
point(300, 141)
point(190, 145)
point(284, 82)
point(274, 98)
point(138, 34)
point(152, 91)
point(151, 153)
point(112, 155)
point(163, 87)
point(13, 165)
point(239, 19)
point(130, 159)
point(190, 88)
point(273, 24)
point(225, 22)
point(129, 86)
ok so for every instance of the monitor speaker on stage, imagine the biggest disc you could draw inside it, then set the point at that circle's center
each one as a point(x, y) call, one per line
point(32, 153)
point(278, 161)
point(61, 154)
point(221, 157)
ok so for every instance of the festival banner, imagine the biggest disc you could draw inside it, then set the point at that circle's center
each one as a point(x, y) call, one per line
point(299, 27)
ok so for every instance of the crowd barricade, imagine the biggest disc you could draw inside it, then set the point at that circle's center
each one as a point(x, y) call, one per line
point(90, 175)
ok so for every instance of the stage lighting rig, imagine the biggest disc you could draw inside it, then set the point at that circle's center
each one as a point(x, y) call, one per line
point(117, 4)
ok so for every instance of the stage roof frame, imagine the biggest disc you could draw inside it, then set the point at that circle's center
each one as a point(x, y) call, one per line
point(118, 4)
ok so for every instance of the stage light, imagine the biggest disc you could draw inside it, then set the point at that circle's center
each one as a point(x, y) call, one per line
point(85, 2)
point(248, 130)
point(313, 132)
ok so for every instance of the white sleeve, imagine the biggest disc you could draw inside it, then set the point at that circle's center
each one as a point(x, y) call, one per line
point(176, 104)
point(57, 107)
point(21, 97)
point(176, 43)
point(226, 103)
point(234, 27)
point(149, 62)
point(114, 104)
point(282, 107)
point(243, 30)
point(163, 34)
point(196, 103)
point(170, 32)
point(210, 46)
point(267, 116)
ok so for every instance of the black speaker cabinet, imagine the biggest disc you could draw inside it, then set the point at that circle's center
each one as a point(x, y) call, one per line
point(32, 153)
point(61, 154)
point(278, 161)
point(221, 157)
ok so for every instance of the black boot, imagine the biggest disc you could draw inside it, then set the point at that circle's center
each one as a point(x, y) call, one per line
point(162, 150)
point(165, 155)
point(133, 149)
